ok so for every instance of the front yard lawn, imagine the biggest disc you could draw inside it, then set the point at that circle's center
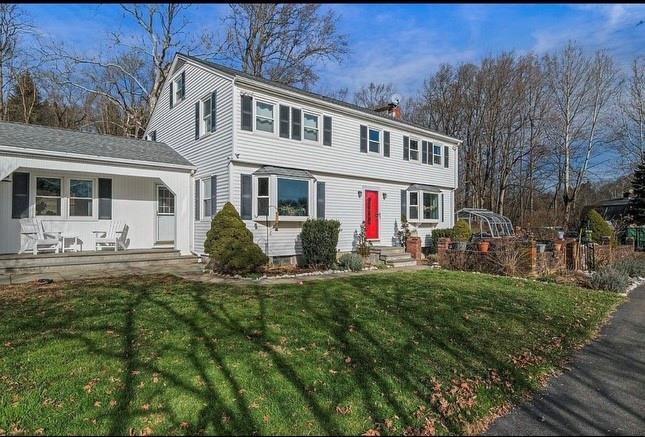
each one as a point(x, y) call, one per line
point(425, 351)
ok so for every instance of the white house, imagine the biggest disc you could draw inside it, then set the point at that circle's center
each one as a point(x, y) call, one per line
point(279, 154)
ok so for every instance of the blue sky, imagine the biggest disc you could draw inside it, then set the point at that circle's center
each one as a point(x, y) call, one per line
point(401, 43)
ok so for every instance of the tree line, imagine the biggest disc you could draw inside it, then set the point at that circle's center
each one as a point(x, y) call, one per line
point(535, 129)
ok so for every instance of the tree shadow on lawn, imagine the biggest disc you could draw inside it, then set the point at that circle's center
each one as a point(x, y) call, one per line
point(389, 379)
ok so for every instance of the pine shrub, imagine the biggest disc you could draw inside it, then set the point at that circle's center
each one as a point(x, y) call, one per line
point(230, 245)
point(461, 231)
point(319, 240)
point(598, 226)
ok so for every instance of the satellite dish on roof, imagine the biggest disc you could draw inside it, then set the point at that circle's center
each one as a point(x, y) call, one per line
point(395, 99)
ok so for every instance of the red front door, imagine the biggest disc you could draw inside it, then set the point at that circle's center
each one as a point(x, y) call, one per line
point(371, 215)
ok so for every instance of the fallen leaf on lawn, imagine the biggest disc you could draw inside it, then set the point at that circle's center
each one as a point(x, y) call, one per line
point(371, 432)
point(97, 404)
point(344, 411)
point(8, 344)
point(348, 360)
point(155, 378)
point(183, 425)
point(145, 407)
point(147, 431)
point(332, 371)
point(265, 419)
point(113, 403)
point(225, 419)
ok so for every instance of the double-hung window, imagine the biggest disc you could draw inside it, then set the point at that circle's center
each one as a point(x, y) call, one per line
point(207, 115)
point(310, 127)
point(81, 197)
point(264, 117)
point(263, 197)
point(179, 88)
point(414, 150)
point(48, 196)
point(206, 198)
point(436, 154)
point(423, 206)
point(374, 140)
point(413, 213)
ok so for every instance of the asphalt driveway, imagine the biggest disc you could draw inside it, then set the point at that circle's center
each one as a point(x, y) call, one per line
point(603, 393)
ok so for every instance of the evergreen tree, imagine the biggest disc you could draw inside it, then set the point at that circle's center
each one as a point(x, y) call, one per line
point(637, 202)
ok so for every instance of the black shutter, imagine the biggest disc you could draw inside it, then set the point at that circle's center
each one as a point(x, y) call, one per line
point(363, 139)
point(213, 196)
point(171, 94)
point(247, 113)
point(386, 143)
point(153, 135)
point(296, 123)
point(213, 111)
point(320, 199)
point(404, 204)
point(326, 130)
point(198, 215)
point(284, 121)
point(406, 148)
point(20, 195)
point(183, 84)
point(105, 199)
point(446, 159)
point(197, 103)
point(424, 152)
point(246, 202)
point(442, 208)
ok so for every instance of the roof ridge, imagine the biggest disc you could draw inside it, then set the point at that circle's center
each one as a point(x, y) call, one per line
point(67, 129)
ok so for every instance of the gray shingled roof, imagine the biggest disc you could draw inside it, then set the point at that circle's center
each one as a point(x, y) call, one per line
point(422, 187)
point(283, 171)
point(234, 72)
point(51, 139)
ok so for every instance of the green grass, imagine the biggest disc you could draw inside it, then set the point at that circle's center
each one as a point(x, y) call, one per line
point(383, 351)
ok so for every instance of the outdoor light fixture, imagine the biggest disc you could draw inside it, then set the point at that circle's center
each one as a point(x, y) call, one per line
point(384, 195)
point(360, 194)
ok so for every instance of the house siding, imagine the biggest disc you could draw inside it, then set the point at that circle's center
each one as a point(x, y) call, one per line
point(176, 127)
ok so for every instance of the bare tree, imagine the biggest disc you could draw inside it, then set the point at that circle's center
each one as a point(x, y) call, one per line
point(631, 111)
point(133, 72)
point(374, 95)
point(282, 41)
point(13, 25)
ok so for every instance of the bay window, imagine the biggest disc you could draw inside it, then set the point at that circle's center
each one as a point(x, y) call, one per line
point(48, 196)
point(80, 197)
point(293, 197)
point(263, 196)
point(310, 127)
point(264, 117)
point(423, 206)
point(289, 198)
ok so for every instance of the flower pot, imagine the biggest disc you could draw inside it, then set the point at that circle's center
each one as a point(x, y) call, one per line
point(541, 247)
point(483, 246)
point(560, 235)
point(557, 246)
point(461, 246)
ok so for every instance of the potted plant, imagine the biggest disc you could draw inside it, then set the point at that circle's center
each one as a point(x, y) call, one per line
point(461, 233)
point(557, 245)
point(541, 247)
point(483, 246)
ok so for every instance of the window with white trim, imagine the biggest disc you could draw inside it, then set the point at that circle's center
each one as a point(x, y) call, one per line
point(81, 197)
point(374, 141)
point(430, 206)
point(264, 116)
point(310, 127)
point(165, 201)
point(293, 197)
point(436, 153)
point(263, 196)
point(207, 114)
point(206, 197)
point(423, 206)
point(414, 150)
point(48, 196)
point(178, 88)
point(413, 209)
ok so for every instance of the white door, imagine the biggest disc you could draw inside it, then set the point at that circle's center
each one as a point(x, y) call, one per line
point(165, 215)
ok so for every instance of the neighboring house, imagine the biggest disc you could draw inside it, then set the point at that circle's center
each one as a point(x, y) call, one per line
point(279, 154)
point(77, 183)
point(282, 155)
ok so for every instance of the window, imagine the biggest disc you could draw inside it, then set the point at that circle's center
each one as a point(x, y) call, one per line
point(165, 201)
point(179, 88)
point(414, 150)
point(263, 196)
point(293, 197)
point(152, 136)
point(430, 206)
point(436, 154)
point(311, 127)
point(264, 117)
point(414, 206)
point(207, 111)
point(206, 197)
point(374, 141)
point(80, 197)
point(48, 196)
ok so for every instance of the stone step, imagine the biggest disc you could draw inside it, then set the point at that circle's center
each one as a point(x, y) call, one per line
point(396, 257)
point(86, 265)
point(408, 263)
point(387, 250)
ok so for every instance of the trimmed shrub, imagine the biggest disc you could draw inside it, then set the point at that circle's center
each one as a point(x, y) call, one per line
point(598, 226)
point(351, 261)
point(230, 245)
point(609, 279)
point(319, 240)
point(632, 267)
point(461, 231)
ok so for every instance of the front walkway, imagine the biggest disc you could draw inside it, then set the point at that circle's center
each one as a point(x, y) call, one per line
point(603, 393)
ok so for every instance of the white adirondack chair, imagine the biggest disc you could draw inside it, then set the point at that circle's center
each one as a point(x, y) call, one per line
point(37, 238)
point(115, 236)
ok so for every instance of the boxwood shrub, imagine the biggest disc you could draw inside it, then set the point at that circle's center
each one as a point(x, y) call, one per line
point(319, 239)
